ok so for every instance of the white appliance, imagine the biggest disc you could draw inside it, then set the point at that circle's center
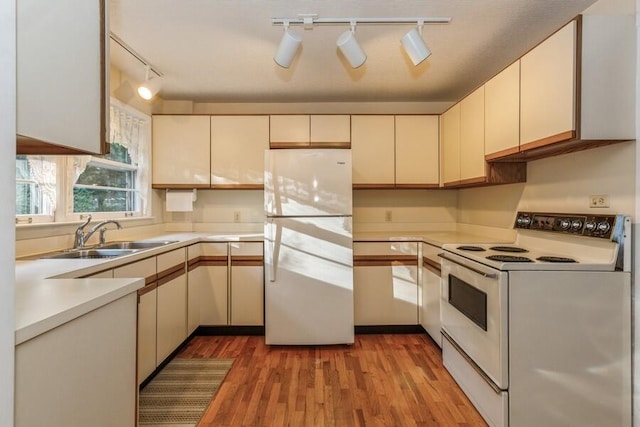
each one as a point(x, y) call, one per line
point(538, 332)
point(308, 247)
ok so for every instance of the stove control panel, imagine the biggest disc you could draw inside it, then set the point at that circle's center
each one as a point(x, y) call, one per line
point(600, 226)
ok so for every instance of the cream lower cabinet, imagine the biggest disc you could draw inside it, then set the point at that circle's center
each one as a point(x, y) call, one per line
point(430, 292)
point(172, 303)
point(81, 373)
point(208, 289)
point(247, 284)
point(385, 283)
point(146, 313)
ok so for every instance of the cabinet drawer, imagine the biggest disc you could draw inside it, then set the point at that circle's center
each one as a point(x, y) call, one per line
point(145, 268)
point(246, 248)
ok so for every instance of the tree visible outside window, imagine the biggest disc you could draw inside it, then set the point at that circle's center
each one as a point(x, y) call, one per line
point(110, 186)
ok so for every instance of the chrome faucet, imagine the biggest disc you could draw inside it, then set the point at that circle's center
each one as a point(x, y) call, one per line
point(81, 238)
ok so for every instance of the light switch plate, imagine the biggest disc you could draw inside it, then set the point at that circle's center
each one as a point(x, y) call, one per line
point(599, 201)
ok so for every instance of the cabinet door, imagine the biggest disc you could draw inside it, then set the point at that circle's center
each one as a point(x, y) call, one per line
point(547, 89)
point(211, 280)
point(289, 130)
point(417, 151)
point(331, 130)
point(451, 146)
point(247, 284)
point(62, 89)
point(194, 254)
point(237, 150)
point(171, 315)
point(181, 151)
point(502, 113)
point(373, 151)
point(430, 303)
point(146, 332)
point(472, 164)
point(385, 278)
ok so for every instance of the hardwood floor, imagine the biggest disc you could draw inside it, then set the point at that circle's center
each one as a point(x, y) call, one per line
point(381, 380)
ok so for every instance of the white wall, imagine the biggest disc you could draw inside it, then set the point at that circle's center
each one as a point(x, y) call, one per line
point(558, 184)
point(7, 207)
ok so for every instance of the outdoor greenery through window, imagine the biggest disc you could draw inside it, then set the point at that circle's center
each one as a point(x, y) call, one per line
point(62, 188)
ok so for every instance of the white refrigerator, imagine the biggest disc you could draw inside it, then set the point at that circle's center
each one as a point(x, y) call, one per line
point(308, 247)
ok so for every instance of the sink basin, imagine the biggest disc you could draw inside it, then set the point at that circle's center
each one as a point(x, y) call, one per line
point(136, 245)
point(89, 254)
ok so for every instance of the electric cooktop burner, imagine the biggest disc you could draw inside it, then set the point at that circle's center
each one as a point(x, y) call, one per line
point(508, 249)
point(471, 248)
point(555, 259)
point(508, 258)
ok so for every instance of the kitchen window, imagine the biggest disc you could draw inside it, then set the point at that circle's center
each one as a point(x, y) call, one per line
point(115, 185)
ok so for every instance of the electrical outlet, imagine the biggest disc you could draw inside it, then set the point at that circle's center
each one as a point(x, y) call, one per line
point(387, 216)
point(236, 216)
point(599, 201)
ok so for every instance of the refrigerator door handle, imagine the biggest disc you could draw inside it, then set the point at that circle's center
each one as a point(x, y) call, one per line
point(275, 249)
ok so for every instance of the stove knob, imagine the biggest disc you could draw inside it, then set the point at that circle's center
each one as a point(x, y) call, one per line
point(523, 221)
point(590, 226)
point(565, 224)
point(603, 227)
point(576, 225)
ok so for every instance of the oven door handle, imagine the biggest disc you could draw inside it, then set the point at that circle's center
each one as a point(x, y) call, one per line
point(482, 273)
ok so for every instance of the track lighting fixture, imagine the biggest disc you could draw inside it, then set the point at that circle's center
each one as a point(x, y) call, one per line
point(350, 47)
point(151, 85)
point(412, 42)
point(415, 46)
point(288, 47)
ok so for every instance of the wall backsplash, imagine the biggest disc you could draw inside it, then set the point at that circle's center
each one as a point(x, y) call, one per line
point(557, 184)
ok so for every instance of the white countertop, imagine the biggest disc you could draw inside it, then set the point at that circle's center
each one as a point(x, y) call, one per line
point(49, 292)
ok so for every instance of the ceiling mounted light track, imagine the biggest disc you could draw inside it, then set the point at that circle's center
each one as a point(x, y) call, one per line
point(151, 85)
point(412, 42)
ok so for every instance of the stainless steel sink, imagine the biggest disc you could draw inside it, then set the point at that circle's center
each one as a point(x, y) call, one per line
point(89, 254)
point(136, 244)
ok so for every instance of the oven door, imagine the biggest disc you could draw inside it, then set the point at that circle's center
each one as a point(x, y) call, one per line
point(474, 314)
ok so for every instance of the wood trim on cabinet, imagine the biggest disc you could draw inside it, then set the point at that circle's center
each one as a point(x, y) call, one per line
point(553, 139)
point(451, 184)
point(180, 268)
point(372, 186)
point(418, 186)
point(383, 260)
point(431, 265)
point(247, 261)
point(237, 186)
point(28, 145)
point(279, 145)
point(473, 181)
point(147, 288)
point(340, 144)
point(169, 277)
point(180, 186)
point(502, 153)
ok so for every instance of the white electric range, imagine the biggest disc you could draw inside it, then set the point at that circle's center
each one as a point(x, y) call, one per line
point(538, 331)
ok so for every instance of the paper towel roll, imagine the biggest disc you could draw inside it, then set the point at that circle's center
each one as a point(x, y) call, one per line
point(180, 201)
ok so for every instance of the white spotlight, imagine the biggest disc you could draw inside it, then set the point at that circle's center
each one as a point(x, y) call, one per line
point(415, 46)
point(288, 47)
point(350, 48)
point(150, 87)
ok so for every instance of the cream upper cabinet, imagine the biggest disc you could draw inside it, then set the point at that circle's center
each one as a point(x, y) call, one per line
point(416, 151)
point(62, 60)
point(450, 137)
point(373, 150)
point(237, 150)
point(502, 113)
point(548, 89)
point(181, 151)
point(472, 164)
point(330, 130)
point(289, 130)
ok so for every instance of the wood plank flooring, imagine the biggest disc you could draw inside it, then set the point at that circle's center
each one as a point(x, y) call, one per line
point(381, 380)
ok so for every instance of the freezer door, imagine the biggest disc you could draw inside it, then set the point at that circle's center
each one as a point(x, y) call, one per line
point(309, 281)
point(307, 182)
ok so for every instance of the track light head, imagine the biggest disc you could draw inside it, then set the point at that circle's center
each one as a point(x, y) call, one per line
point(288, 47)
point(350, 47)
point(150, 87)
point(414, 45)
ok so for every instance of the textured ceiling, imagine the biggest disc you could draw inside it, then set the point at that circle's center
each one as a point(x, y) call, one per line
point(222, 50)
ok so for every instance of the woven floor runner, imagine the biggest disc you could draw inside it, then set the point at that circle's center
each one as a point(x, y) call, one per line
point(180, 393)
